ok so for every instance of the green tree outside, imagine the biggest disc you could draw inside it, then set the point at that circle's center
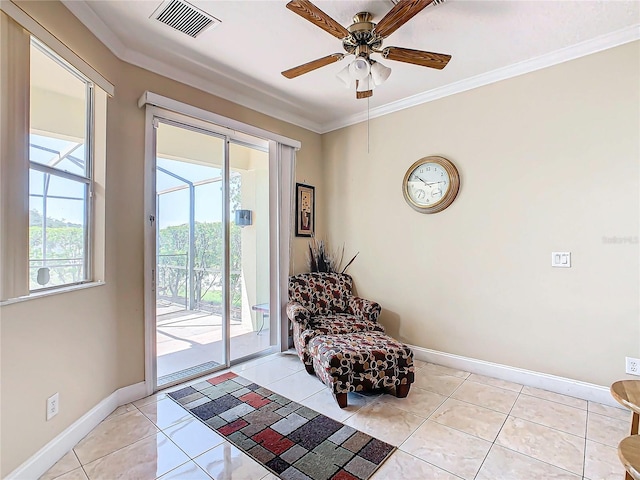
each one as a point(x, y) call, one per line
point(173, 262)
point(65, 241)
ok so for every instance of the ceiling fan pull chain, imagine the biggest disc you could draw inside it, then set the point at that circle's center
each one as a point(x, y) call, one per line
point(368, 110)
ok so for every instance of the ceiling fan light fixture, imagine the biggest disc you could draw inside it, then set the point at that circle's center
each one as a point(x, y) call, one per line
point(345, 76)
point(365, 84)
point(359, 68)
point(363, 38)
point(379, 73)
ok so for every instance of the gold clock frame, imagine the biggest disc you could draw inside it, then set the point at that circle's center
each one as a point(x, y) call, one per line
point(447, 199)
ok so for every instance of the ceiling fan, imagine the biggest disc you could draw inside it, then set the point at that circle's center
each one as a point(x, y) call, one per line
point(364, 38)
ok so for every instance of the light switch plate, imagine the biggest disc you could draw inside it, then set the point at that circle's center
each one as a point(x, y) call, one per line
point(561, 259)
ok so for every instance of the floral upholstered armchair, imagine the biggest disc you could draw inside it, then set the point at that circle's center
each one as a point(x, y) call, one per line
point(321, 304)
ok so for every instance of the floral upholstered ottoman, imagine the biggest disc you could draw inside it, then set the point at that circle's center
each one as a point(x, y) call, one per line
point(358, 361)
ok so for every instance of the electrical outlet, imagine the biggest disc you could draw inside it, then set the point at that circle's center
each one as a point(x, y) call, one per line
point(53, 404)
point(633, 366)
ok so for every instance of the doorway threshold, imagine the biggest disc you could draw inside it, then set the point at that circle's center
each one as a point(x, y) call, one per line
point(187, 373)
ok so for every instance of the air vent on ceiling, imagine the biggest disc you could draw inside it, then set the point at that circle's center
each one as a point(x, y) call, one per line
point(184, 17)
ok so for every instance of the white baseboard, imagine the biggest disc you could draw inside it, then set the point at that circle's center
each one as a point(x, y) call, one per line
point(53, 451)
point(131, 393)
point(553, 383)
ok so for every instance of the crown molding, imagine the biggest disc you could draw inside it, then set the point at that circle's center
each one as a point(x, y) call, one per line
point(93, 22)
point(268, 105)
point(598, 44)
point(272, 106)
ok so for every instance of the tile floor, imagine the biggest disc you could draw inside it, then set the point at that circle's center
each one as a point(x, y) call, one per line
point(452, 425)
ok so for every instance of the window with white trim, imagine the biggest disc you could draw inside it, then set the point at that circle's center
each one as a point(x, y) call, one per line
point(60, 171)
point(53, 114)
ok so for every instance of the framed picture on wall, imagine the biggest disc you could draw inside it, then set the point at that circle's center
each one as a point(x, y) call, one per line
point(305, 210)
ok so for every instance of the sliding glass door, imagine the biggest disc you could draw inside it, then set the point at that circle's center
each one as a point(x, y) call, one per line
point(212, 275)
point(251, 330)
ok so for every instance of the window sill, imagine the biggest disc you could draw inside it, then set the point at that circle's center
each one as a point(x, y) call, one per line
point(47, 293)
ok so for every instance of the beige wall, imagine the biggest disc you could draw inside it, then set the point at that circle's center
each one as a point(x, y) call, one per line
point(87, 344)
point(548, 162)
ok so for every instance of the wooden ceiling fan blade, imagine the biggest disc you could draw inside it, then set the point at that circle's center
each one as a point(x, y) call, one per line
point(417, 57)
point(310, 12)
point(313, 65)
point(400, 14)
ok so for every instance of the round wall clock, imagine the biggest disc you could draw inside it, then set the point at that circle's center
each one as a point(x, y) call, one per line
point(431, 184)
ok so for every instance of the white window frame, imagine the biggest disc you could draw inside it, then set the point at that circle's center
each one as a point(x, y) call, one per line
point(86, 179)
point(16, 30)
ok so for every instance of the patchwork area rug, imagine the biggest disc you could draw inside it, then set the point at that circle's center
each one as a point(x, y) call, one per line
point(291, 440)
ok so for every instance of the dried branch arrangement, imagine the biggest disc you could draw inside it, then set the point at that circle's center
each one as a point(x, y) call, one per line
point(321, 259)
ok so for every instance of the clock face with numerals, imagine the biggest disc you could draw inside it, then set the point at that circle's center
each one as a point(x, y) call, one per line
point(431, 184)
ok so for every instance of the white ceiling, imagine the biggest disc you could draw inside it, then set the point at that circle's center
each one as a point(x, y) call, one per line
point(241, 59)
